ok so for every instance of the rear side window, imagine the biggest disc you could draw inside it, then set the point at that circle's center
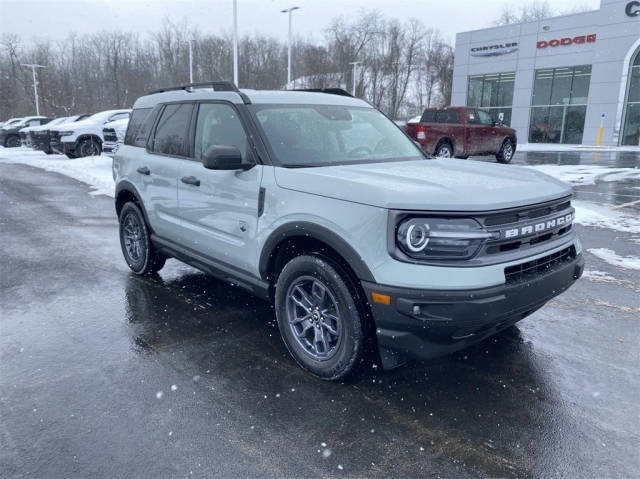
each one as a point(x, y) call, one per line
point(429, 116)
point(138, 128)
point(448, 116)
point(171, 131)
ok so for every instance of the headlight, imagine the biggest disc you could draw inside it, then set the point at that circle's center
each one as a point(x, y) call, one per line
point(441, 238)
point(66, 133)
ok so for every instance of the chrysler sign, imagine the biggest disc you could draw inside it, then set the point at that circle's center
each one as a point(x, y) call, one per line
point(494, 50)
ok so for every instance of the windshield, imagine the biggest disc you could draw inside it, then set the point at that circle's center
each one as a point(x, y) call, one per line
point(322, 135)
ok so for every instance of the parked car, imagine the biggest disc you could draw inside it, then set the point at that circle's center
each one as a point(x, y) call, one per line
point(10, 134)
point(462, 132)
point(83, 138)
point(9, 122)
point(40, 136)
point(319, 203)
point(113, 134)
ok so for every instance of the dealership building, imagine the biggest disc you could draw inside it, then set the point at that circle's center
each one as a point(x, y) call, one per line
point(558, 80)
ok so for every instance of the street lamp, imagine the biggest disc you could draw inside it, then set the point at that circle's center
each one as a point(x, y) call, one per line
point(33, 67)
point(235, 42)
point(191, 60)
point(355, 65)
point(289, 11)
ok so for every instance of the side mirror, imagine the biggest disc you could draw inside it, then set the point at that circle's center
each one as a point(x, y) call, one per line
point(224, 157)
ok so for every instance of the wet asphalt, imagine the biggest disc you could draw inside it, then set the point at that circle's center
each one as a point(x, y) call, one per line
point(105, 374)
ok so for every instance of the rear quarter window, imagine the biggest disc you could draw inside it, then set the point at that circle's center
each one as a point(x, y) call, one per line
point(139, 127)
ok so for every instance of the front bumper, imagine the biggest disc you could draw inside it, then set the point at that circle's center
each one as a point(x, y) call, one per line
point(110, 148)
point(425, 324)
point(67, 147)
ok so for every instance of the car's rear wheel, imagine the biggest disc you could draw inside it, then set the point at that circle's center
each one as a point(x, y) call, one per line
point(89, 147)
point(507, 150)
point(135, 241)
point(444, 150)
point(320, 317)
point(12, 141)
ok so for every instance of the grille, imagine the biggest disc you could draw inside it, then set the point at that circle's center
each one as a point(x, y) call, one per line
point(532, 269)
point(110, 135)
point(54, 138)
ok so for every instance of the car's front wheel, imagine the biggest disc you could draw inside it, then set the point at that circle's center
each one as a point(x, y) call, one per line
point(135, 241)
point(320, 317)
point(89, 147)
point(507, 150)
point(12, 141)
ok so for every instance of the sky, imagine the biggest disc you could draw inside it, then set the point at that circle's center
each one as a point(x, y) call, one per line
point(54, 19)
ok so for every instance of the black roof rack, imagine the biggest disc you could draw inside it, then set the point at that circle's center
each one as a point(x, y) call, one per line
point(331, 91)
point(215, 85)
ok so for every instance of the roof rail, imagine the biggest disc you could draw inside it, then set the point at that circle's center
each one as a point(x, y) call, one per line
point(331, 91)
point(215, 85)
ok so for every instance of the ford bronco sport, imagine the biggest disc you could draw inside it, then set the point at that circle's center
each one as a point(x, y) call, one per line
point(317, 202)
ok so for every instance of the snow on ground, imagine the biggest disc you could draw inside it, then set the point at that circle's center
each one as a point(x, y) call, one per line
point(610, 256)
point(587, 174)
point(591, 214)
point(552, 147)
point(95, 171)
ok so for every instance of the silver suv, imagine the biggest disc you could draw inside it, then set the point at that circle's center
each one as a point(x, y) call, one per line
point(319, 203)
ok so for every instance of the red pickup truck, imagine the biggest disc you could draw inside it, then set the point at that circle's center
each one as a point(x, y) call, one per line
point(462, 132)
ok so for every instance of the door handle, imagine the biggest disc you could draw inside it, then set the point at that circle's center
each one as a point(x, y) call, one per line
point(191, 180)
point(143, 170)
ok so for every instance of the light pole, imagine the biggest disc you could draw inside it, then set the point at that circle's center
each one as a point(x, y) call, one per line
point(235, 42)
point(355, 65)
point(289, 11)
point(191, 60)
point(33, 67)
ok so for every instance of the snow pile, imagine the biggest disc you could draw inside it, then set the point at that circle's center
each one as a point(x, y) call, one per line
point(95, 171)
point(587, 174)
point(611, 257)
point(590, 214)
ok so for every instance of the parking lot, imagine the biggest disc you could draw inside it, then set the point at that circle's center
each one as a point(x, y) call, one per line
point(105, 374)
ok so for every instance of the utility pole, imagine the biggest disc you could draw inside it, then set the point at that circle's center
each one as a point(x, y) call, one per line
point(33, 67)
point(289, 11)
point(355, 65)
point(191, 61)
point(235, 42)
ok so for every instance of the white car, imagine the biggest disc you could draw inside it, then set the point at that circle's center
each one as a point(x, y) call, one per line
point(10, 132)
point(84, 138)
point(113, 134)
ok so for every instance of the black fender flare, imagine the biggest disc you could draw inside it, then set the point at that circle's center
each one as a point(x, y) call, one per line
point(129, 187)
point(317, 232)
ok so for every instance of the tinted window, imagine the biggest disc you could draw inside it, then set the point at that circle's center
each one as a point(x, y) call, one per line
point(218, 124)
point(484, 118)
point(138, 128)
point(119, 116)
point(171, 130)
point(448, 116)
point(429, 116)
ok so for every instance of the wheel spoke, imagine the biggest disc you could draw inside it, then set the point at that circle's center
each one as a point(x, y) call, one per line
point(330, 329)
point(304, 297)
point(319, 292)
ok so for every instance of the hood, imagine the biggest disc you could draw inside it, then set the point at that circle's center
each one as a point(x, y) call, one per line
point(442, 185)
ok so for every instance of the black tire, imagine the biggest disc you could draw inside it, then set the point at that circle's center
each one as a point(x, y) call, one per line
point(507, 150)
point(135, 241)
point(12, 141)
point(345, 350)
point(49, 152)
point(88, 147)
point(71, 156)
point(462, 157)
point(444, 150)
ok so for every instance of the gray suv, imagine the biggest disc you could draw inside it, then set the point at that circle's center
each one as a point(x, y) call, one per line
point(314, 200)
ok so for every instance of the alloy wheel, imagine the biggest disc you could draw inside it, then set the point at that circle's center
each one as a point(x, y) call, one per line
point(132, 235)
point(313, 317)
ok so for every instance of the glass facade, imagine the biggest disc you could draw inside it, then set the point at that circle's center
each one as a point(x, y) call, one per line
point(559, 105)
point(631, 131)
point(492, 92)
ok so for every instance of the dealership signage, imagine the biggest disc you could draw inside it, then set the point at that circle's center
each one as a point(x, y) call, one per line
point(494, 50)
point(563, 42)
point(632, 9)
